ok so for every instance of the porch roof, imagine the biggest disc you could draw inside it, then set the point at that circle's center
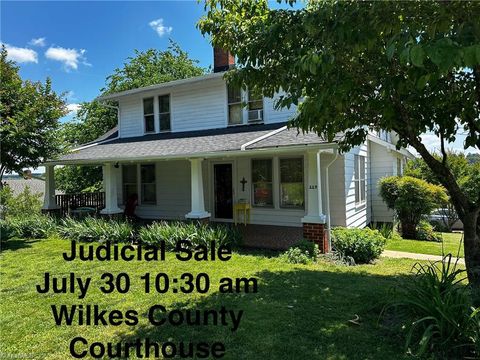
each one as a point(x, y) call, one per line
point(191, 144)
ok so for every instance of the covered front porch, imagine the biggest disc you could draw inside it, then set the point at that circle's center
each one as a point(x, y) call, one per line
point(280, 175)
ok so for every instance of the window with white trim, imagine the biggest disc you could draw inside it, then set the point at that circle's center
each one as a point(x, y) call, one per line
point(148, 115)
point(147, 185)
point(164, 109)
point(292, 191)
point(262, 182)
point(255, 107)
point(359, 178)
point(235, 116)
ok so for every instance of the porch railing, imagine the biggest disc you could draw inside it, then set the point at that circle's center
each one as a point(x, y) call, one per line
point(68, 202)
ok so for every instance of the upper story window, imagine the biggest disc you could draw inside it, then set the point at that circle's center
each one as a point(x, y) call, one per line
point(235, 116)
point(164, 109)
point(359, 178)
point(292, 191)
point(262, 182)
point(148, 115)
point(255, 107)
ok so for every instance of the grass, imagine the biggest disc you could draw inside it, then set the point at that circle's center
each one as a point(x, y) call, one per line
point(299, 312)
point(451, 242)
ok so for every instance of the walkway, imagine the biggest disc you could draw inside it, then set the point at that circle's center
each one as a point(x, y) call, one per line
point(402, 254)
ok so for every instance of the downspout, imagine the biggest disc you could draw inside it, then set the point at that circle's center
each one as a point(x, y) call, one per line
point(327, 190)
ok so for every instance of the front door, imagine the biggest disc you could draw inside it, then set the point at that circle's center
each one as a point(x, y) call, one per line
point(223, 191)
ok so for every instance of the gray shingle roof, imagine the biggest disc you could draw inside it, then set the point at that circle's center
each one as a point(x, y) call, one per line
point(191, 143)
point(18, 185)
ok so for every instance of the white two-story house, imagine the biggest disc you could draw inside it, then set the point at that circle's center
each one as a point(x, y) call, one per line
point(195, 148)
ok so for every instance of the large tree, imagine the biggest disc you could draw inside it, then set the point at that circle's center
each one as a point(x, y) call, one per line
point(29, 113)
point(94, 119)
point(406, 66)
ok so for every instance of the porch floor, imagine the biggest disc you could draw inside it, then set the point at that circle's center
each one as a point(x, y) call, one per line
point(270, 237)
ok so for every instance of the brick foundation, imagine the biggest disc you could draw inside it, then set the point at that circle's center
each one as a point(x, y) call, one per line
point(317, 234)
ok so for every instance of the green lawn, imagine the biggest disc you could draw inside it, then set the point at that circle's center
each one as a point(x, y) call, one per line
point(299, 312)
point(451, 242)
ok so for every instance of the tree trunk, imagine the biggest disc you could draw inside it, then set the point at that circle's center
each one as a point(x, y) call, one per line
point(471, 238)
point(409, 230)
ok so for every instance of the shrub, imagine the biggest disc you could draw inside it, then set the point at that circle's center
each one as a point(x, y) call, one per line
point(426, 232)
point(411, 199)
point(436, 311)
point(295, 255)
point(30, 227)
point(25, 203)
point(6, 230)
point(363, 245)
point(303, 252)
point(93, 229)
point(198, 234)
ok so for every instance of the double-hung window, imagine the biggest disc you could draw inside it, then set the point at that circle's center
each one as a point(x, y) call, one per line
point(129, 175)
point(234, 105)
point(359, 179)
point(255, 107)
point(262, 183)
point(147, 182)
point(292, 192)
point(164, 108)
point(148, 115)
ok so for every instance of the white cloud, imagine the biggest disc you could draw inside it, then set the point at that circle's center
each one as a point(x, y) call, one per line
point(21, 55)
point(69, 57)
point(38, 42)
point(158, 26)
point(73, 108)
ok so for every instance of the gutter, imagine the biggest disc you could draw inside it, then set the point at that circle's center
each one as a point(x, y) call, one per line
point(327, 190)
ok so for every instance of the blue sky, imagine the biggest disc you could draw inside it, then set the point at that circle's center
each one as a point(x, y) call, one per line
point(78, 44)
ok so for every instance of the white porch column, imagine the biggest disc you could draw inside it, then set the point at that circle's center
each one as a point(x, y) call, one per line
point(49, 196)
point(110, 187)
point(198, 203)
point(314, 213)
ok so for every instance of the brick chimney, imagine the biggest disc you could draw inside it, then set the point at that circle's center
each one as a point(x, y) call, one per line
point(222, 60)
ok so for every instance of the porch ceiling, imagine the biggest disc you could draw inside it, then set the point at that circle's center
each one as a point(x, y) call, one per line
point(190, 144)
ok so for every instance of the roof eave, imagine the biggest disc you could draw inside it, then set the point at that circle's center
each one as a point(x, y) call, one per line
point(214, 154)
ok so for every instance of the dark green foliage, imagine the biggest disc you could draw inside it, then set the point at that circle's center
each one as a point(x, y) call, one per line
point(75, 179)
point(198, 234)
point(362, 245)
point(437, 313)
point(411, 199)
point(29, 113)
point(96, 230)
point(302, 252)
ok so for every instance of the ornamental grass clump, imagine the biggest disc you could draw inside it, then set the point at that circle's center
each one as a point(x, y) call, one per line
point(361, 245)
point(197, 234)
point(436, 312)
point(93, 229)
point(28, 227)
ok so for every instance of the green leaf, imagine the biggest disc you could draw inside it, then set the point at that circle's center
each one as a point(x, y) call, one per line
point(390, 51)
point(417, 55)
point(422, 81)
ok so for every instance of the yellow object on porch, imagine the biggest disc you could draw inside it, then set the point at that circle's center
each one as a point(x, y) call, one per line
point(242, 208)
